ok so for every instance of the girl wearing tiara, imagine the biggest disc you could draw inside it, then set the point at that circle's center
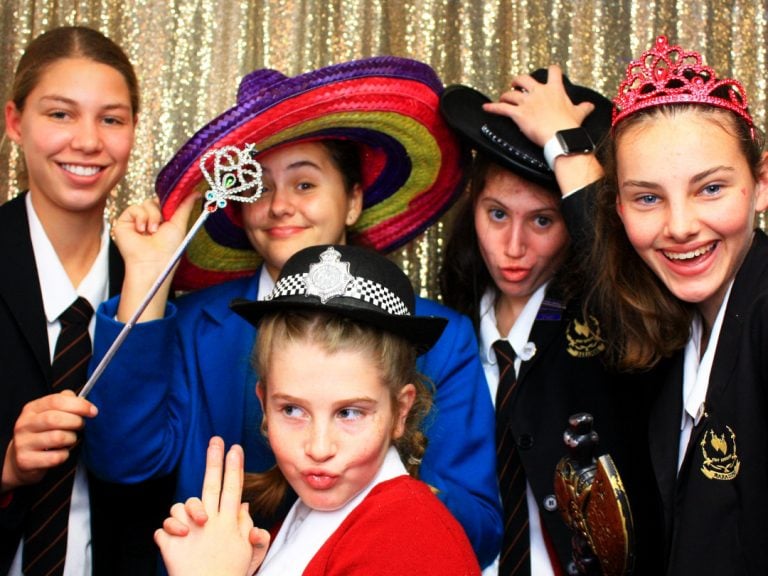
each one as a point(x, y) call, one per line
point(344, 424)
point(681, 287)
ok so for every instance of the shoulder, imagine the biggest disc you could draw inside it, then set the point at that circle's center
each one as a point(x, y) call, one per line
point(427, 307)
point(219, 295)
point(402, 523)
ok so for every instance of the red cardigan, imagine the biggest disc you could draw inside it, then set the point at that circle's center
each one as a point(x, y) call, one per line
point(399, 528)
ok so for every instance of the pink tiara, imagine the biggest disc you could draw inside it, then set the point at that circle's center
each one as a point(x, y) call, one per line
point(670, 75)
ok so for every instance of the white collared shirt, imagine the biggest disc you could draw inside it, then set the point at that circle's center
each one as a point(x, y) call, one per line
point(266, 284)
point(696, 372)
point(58, 294)
point(518, 338)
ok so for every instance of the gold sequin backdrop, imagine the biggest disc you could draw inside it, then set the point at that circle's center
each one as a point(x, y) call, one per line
point(190, 55)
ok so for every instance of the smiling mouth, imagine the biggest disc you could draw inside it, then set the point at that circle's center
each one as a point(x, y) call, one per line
point(692, 254)
point(78, 170)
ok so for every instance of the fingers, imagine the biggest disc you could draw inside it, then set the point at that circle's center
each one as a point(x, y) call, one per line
point(145, 217)
point(214, 468)
point(196, 511)
point(177, 524)
point(259, 540)
point(181, 216)
point(232, 489)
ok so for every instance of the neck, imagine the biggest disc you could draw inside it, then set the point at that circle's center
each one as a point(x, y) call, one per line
point(507, 312)
point(75, 237)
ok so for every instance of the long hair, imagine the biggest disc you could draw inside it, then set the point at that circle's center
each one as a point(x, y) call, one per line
point(464, 277)
point(392, 357)
point(642, 320)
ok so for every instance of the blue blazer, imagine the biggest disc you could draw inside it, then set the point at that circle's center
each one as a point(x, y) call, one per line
point(178, 381)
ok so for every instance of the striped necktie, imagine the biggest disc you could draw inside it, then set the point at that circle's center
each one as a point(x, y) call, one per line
point(515, 552)
point(45, 527)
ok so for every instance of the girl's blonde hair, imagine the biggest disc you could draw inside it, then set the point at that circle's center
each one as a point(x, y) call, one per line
point(393, 357)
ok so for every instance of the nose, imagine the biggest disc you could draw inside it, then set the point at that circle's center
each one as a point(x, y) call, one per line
point(86, 136)
point(681, 222)
point(320, 444)
point(281, 202)
point(516, 244)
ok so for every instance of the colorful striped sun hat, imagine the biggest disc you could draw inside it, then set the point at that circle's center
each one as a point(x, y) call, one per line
point(412, 162)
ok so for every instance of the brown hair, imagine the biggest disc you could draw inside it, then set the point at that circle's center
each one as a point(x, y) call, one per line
point(642, 320)
point(70, 42)
point(392, 356)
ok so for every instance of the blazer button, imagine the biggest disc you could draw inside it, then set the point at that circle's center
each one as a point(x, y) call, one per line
point(550, 503)
point(573, 570)
point(525, 441)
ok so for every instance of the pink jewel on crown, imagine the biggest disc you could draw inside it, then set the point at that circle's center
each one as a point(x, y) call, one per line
point(670, 75)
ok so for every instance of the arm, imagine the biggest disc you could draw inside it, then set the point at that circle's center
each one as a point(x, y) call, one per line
point(461, 455)
point(147, 243)
point(142, 398)
point(214, 535)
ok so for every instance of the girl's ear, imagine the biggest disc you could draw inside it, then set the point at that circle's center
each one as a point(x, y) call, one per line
point(260, 394)
point(13, 122)
point(405, 399)
point(354, 205)
point(761, 189)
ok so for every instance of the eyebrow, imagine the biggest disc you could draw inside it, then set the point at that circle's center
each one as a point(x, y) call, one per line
point(299, 164)
point(343, 402)
point(70, 102)
point(696, 178)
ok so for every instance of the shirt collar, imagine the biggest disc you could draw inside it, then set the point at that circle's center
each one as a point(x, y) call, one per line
point(520, 332)
point(56, 288)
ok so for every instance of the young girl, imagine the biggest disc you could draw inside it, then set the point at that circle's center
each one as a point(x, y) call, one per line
point(72, 112)
point(343, 422)
point(681, 280)
point(356, 152)
point(504, 268)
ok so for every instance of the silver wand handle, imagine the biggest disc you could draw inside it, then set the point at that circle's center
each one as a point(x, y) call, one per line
point(142, 306)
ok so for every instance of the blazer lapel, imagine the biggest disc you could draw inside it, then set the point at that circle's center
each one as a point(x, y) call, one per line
point(20, 285)
point(546, 328)
point(664, 430)
point(226, 374)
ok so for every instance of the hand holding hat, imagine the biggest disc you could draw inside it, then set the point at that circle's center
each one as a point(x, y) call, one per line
point(541, 108)
point(540, 105)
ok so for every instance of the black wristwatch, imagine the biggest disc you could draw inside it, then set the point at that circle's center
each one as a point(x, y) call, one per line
point(566, 142)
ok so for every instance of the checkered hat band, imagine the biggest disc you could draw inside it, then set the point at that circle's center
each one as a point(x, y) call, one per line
point(358, 288)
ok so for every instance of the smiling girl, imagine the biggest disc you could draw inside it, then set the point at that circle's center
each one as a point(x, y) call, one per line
point(72, 113)
point(681, 282)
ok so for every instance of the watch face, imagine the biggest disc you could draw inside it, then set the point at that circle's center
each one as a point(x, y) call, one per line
point(575, 141)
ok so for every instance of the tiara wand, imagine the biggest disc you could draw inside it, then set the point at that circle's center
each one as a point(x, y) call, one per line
point(235, 172)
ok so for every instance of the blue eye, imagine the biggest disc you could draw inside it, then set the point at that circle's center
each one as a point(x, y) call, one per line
point(712, 189)
point(648, 199)
point(497, 214)
point(292, 411)
point(350, 413)
point(543, 221)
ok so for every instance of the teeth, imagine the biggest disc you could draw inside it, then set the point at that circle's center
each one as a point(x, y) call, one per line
point(78, 170)
point(689, 255)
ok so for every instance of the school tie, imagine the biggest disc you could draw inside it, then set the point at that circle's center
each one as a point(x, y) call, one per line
point(45, 528)
point(515, 551)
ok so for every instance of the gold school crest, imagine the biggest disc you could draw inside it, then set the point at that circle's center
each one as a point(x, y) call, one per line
point(719, 451)
point(583, 338)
